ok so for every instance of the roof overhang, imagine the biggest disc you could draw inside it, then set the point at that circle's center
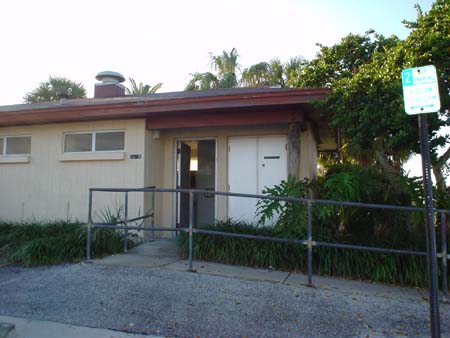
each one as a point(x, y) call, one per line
point(222, 107)
point(146, 106)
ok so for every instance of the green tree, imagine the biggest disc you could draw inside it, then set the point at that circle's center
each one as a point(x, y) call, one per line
point(273, 73)
point(225, 67)
point(341, 60)
point(141, 89)
point(55, 88)
point(367, 107)
point(429, 43)
point(366, 102)
point(347, 67)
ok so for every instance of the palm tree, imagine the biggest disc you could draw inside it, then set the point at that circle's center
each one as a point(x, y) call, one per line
point(273, 73)
point(202, 81)
point(292, 69)
point(264, 74)
point(225, 67)
point(256, 75)
point(54, 89)
point(141, 89)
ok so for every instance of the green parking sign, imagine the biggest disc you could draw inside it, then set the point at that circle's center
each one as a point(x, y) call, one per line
point(420, 90)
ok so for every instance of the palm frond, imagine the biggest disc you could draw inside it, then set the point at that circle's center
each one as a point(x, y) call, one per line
point(141, 89)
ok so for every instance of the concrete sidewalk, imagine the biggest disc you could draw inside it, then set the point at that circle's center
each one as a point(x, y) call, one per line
point(23, 328)
point(161, 254)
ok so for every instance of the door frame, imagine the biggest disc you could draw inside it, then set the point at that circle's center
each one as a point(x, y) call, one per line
point(176, 199)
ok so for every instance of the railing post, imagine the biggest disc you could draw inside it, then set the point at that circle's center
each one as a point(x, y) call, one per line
point(89, 225)
point(153, 216)
point(444, 255)
point(125, 242)
point(191, 231)
point(310, 243)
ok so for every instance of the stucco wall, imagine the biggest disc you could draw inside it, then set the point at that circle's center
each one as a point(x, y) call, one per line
point(163, 151)
point(48, 188)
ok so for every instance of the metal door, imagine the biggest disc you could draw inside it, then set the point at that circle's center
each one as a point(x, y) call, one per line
point(242, 159)
point(272, 162)
point(254, 163)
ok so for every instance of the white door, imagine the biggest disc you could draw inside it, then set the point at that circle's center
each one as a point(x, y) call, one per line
point(272, 162)
point(254, 163)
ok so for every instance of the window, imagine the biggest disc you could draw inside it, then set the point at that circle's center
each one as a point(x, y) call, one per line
point(108, 141)
point(94, 141)
point(15, 145)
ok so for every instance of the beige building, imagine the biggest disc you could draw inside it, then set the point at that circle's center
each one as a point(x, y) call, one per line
point(239, 140)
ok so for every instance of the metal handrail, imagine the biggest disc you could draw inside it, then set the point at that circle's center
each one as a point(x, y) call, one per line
point(308, 242)
point(275, 198)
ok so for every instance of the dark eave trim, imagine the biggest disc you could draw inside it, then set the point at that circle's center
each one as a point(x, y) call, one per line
point(141, 107)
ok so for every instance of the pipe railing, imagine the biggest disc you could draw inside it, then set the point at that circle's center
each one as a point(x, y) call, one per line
point(308, 242)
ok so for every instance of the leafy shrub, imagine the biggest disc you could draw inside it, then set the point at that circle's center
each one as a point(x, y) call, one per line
point(36, 244)
point(363, 265)
point(331, 223)
point(376, 227)
point(290, 216)
point(243, 251)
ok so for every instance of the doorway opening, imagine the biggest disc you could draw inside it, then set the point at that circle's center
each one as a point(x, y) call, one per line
point(196, 169)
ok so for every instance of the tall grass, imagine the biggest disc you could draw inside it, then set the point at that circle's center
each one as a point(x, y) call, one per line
point(356, 264)
point(37, 244)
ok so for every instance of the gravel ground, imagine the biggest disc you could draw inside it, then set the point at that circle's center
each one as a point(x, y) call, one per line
point(181, 304)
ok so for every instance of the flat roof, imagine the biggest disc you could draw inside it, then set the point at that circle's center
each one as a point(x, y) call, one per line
point(169, 96)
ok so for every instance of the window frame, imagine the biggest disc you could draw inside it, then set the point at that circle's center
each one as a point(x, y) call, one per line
point(94, 139)
point(5, 142)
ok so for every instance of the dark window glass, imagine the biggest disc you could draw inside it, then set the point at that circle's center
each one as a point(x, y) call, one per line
point(77, 143)
point(18, 145)
point(108, 141)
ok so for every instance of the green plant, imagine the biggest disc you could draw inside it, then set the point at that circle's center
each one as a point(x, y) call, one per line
point(55, 88)
point(37, 244)
point(240, 251)
point(290, 217)
point(116, 216)
point(362, 265)
point(110, 216)
point(141, 89)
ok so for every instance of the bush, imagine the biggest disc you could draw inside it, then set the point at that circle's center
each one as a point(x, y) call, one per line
point(363, 265)
point(240, 251)
point(377, 227)
point(331, 223)
point(37, 244)
point(290, 217)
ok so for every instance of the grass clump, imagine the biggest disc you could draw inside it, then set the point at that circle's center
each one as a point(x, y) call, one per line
point(39, 244)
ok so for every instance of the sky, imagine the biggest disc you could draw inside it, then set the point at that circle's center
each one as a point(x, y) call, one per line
point(165, 40)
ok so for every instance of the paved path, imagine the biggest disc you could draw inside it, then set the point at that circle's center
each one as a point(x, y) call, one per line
point(161, 254)
point(25, 328)
point(165, 300)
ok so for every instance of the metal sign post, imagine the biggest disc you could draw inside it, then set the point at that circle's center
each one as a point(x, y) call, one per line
point(421, 96)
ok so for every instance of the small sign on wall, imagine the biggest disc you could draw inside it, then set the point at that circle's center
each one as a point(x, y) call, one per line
point(135, 156)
